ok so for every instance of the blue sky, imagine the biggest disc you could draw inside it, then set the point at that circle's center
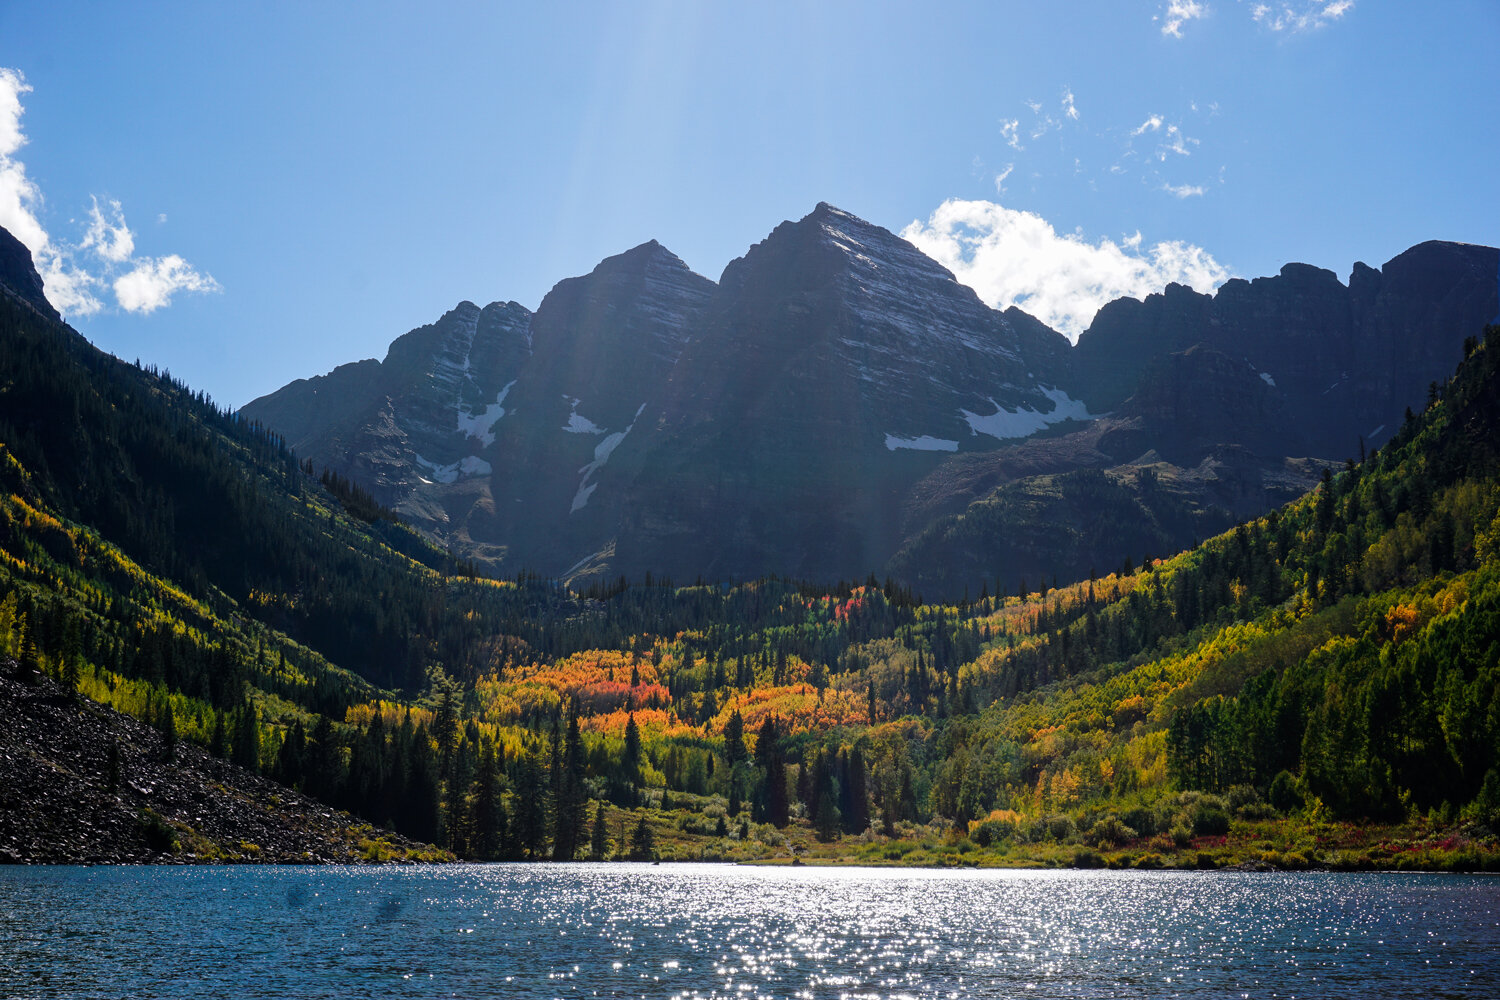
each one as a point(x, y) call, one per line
point(250, 193)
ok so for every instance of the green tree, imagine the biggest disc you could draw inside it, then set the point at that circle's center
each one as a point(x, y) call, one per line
point(642, 841)
point(599, 841)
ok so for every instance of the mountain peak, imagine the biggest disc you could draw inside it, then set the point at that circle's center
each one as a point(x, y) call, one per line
point(650, 254)
point(18, 274)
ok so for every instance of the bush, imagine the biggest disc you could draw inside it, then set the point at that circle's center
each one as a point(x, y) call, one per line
point(1141, 820)
point(158, 833)
point(1181, 834)
point(1084, 857)
point(992, 832)
point(1209, 820)
point(1240, 796)
point(1486, 805)
point(1284, 795)
point(1110, 832)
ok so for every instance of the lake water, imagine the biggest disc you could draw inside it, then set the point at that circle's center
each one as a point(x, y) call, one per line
point(688, 931)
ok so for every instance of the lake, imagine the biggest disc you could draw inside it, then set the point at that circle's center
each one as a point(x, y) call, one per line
point(689, 931)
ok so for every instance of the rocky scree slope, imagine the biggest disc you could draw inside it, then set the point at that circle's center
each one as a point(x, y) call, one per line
point(82, 784)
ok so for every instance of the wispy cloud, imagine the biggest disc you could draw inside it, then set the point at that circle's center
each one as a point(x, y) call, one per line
point(110, 238)
point(1184, 190)
point(1180, 12)
point(1175, 142)
point(1010, 128)
point(1016, 258)
point(1151, 124)
point(1069, 107)
point(1301, 16)
point(1000, 178)
point(76, 274)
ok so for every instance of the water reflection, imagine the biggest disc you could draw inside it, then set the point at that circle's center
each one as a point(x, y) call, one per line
point(721, 932)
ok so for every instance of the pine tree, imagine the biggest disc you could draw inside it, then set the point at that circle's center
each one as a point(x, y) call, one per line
point(166, 723)
point(247, 739)
point(488, 817)
point(642, 841)
point(599, 841)
point(825, 806)
point(632, 758)
point(569, 808)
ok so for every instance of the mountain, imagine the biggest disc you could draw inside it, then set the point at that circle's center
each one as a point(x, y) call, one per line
point(834, 365)
point(1343, 361)
point(664, 423)
point(838, 403)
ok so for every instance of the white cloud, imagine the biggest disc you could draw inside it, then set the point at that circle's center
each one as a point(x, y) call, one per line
point(1010, 257)
point(152, 283)
point(1300, 16)
point(12, 86)
point(1175, 142)
point(73, 272)
point(1183, 190)
point(114, 242)
point(1011, 129)
point(1180, 12)
point(1002, 175)
point(1151, 124)
point(1069, 108)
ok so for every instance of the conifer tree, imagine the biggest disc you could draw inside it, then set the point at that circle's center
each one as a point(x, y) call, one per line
point(488, 817)
point(734, 739)
point(571, 803)
point(247, 739)
point(642, 841)
point(599, 841)
point(166, 723)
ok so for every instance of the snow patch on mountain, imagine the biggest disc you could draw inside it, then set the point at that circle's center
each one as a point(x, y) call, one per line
point(924, 443)
point(1267, 379)
point(579, 424)
point(472, 465)
point(481, 425)
point(1024, 421)
point(602, 451)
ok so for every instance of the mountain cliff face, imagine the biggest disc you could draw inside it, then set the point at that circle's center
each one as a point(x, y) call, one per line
point(835, 364)
point(18, 277)
point(1343, 360)
point(838, 397)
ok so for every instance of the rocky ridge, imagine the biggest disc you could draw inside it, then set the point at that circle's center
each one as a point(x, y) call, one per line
point(836, 393)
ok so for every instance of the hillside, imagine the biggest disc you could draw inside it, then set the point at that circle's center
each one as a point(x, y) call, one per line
point(83, 784)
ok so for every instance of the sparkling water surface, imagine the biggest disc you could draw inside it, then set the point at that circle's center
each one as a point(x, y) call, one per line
point(690, 931)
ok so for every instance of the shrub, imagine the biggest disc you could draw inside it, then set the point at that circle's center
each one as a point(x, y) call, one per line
point(1284, 795)
point(158, 832)
point(1142, 820)
point(1110, 832)
point(1240, 796)
point(1209, 820)
point(1084, 857)
point(1181, 834)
